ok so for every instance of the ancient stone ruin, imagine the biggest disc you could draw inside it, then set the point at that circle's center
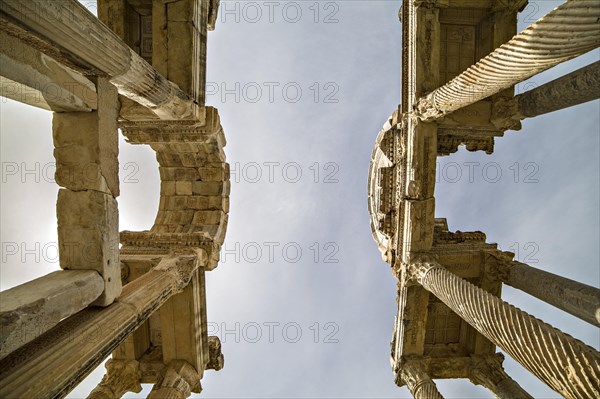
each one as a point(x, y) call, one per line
point(140, 296)
point(461, 59)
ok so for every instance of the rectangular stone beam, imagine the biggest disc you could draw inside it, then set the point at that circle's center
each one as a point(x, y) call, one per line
point(66, 30)
point(179, 34)
point(30, 309)
point(183, 325)
point(54, 363)
point(566, 32)
point(31, 77)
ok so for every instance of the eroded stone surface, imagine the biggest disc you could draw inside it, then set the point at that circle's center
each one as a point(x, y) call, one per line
point(28, 310)
point(88, 236)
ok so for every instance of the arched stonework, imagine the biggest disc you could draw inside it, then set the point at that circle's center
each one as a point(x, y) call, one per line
point(194, 193)
point(384, 191)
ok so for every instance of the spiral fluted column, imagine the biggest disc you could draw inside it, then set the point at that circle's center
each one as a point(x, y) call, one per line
point(566, 32)
point(564, 363)
point(418, 381)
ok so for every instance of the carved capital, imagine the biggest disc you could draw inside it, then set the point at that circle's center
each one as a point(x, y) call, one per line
point(121, 376)
point(498, 264)
point(426, 109)
point(419, 267)
point(488, 371)
point(176, 381)
point(506, 114)
point(412, 373)
point(181, 266)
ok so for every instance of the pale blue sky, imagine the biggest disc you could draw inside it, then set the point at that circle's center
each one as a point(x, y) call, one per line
point(354, 67)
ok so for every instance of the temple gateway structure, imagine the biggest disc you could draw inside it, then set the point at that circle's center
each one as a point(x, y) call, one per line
point(461, 59)
point(138, 296)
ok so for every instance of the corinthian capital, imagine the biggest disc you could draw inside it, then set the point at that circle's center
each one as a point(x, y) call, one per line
point(506, 114)
point(419, 266)
point(488, 371)
point(121, 376)
point(413, 374)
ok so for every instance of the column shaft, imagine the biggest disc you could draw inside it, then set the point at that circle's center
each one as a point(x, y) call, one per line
point(510, 389)
point(564, 363)
point(87, 168)
point(575, 88)
point(418, 381)
point(579, 299)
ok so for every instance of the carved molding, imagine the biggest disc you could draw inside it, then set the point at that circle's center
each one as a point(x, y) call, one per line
point(385, 185)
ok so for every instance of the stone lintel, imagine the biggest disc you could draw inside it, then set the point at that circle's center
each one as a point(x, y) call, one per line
point(89, 46)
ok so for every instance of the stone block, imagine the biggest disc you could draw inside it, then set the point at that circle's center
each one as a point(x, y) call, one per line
point(183, 188)
point(86, 145)
point(218, 173)
point(167, 188)
point(88, 237)
point(208, 217)
point(197, 202)
point(210, 188)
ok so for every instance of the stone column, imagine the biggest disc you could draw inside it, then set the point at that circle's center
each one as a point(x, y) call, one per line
point(579, 299)
point(575, 88)
point(564, 363)
point(418, 381)
point(176, 381)
point(524, 56)
point(121, 376)
point(488, 372)
point(86, 150)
